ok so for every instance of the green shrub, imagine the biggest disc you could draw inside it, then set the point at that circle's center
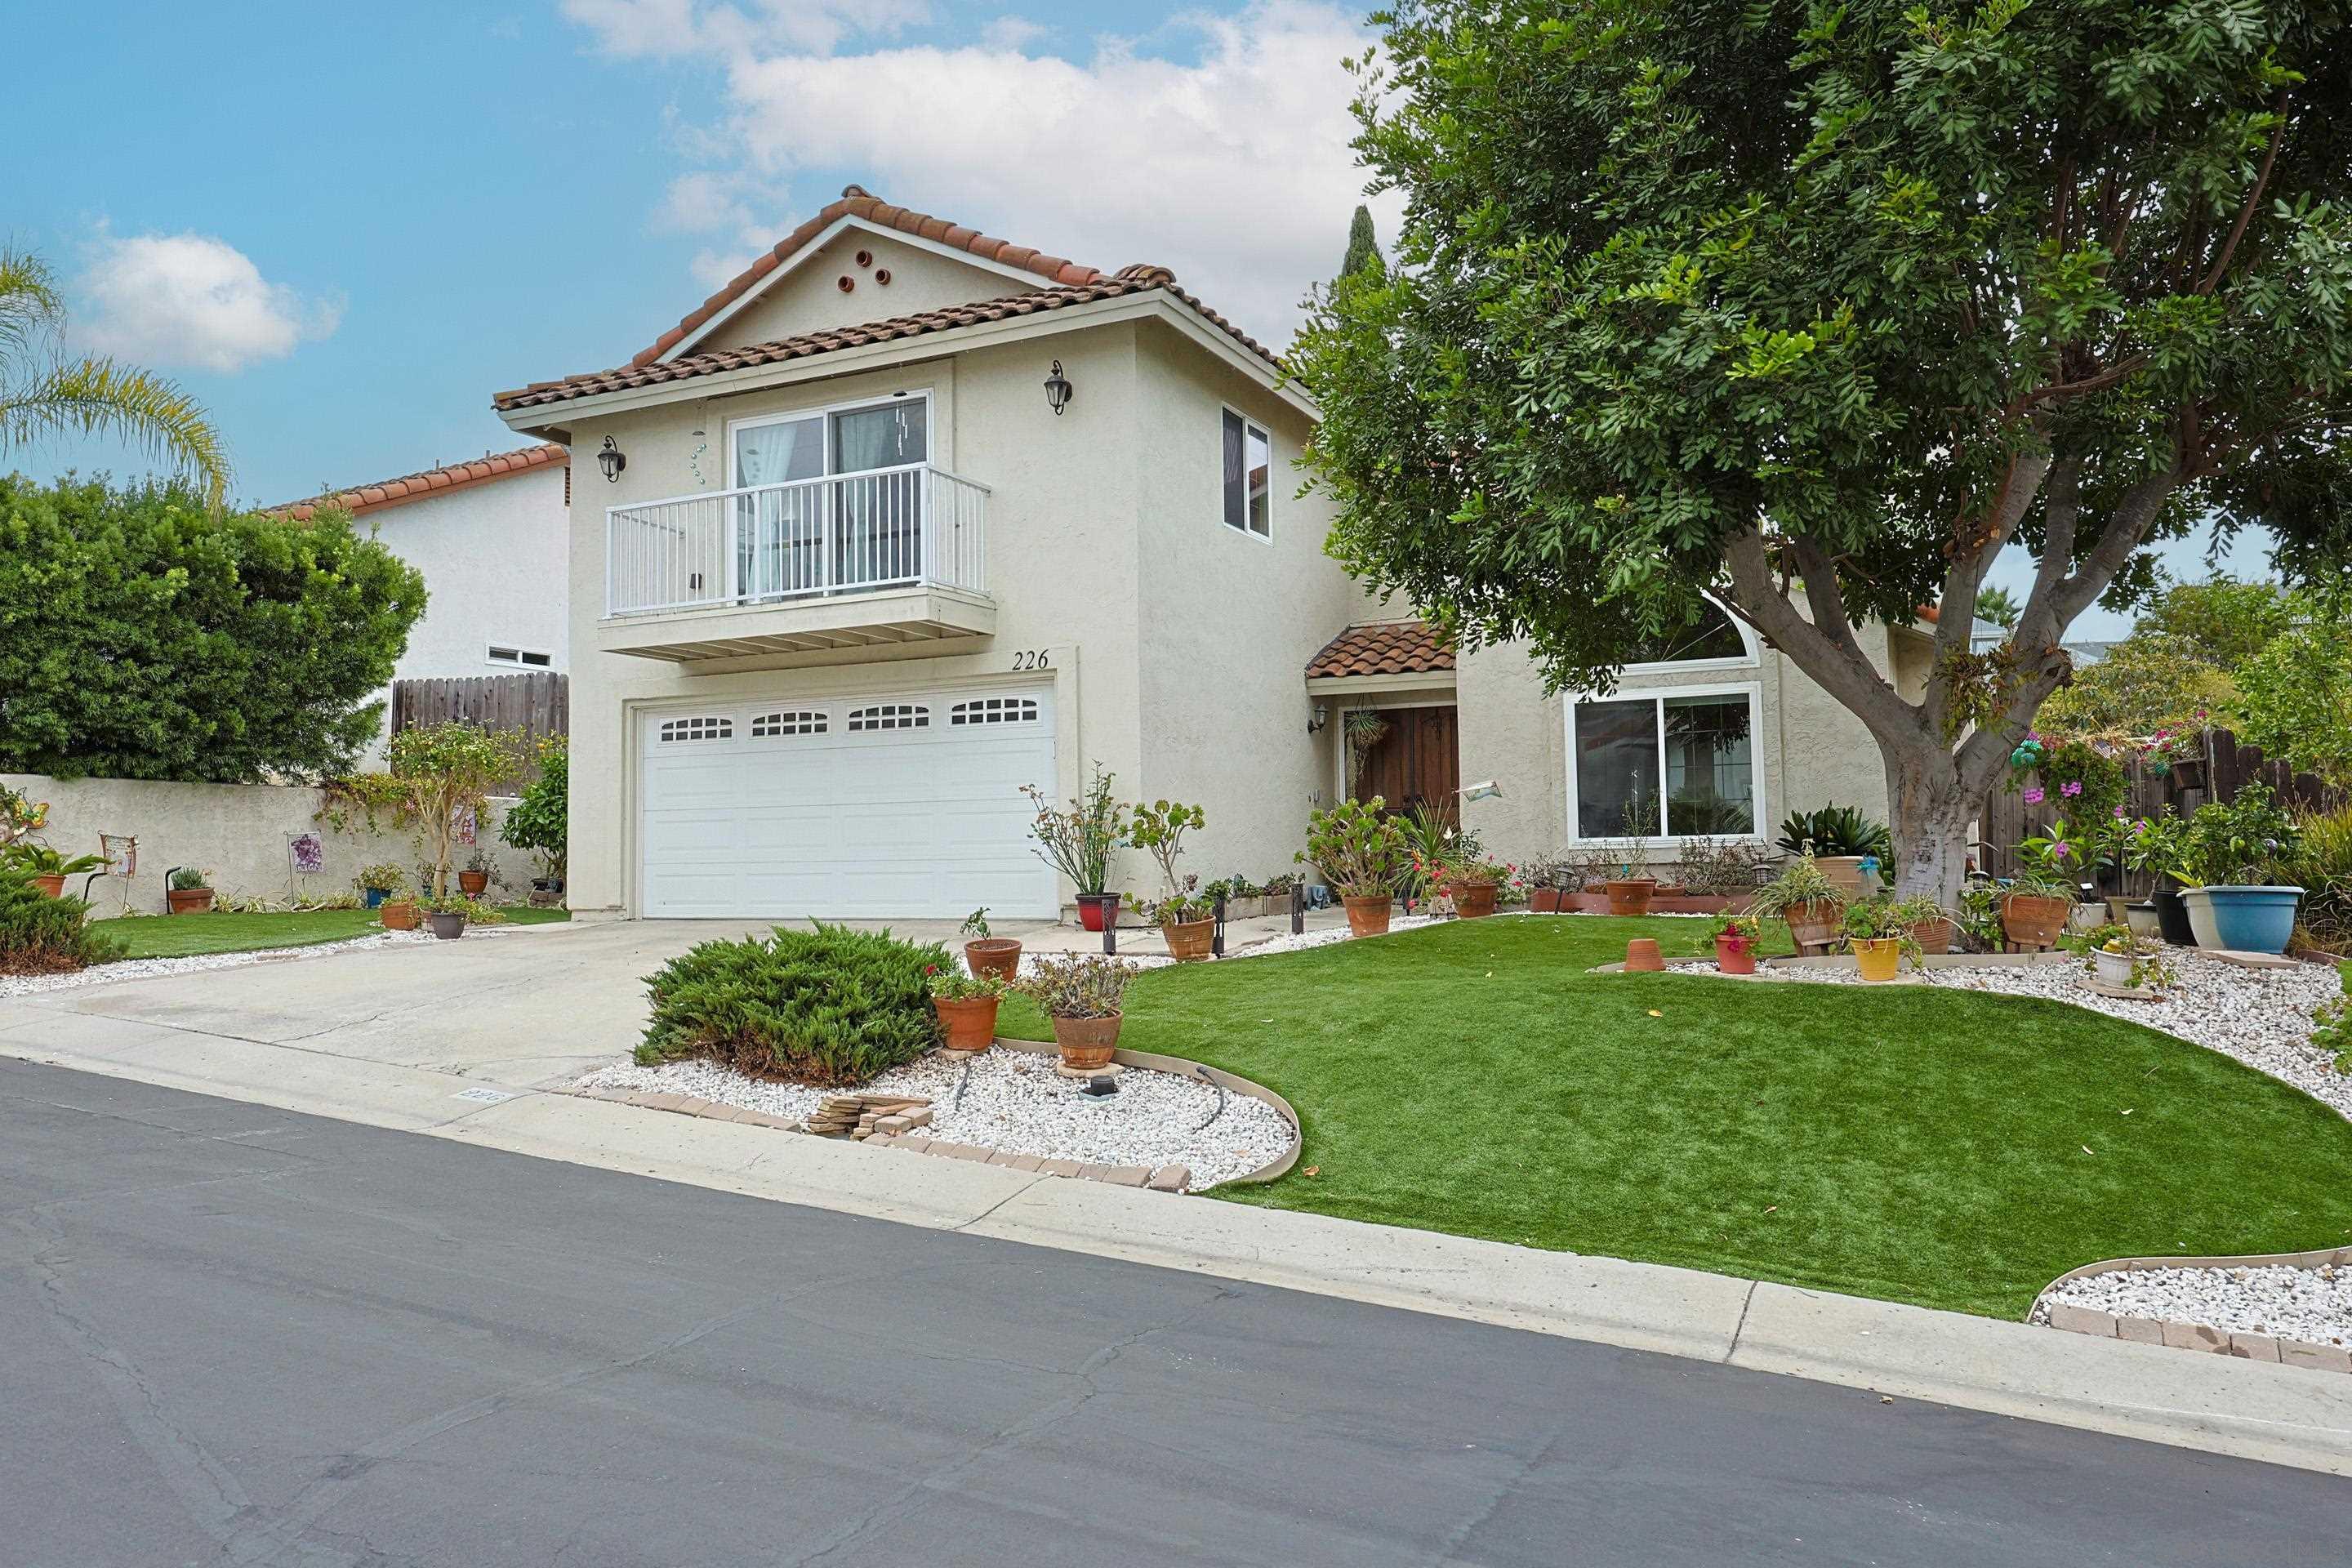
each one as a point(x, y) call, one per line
point(42, 935)
point(828, 1007)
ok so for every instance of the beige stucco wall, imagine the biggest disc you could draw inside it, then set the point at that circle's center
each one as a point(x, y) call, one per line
point(236, 833)
point(809, 298)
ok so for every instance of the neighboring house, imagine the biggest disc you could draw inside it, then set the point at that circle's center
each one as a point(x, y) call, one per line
point(906, 517)
point(492, 537)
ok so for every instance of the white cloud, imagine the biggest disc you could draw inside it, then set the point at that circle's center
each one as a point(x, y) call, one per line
point(1233, 168)
point(189, 300)
point(667, 29)
point(1013, 33)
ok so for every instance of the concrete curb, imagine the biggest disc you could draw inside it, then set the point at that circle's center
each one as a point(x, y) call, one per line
point(2178, 1334)
point(2253, 1409)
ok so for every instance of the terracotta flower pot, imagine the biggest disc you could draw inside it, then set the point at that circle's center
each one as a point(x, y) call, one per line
point(400, 914)
point(1844, 871)
point(53, 886)
point(471, 883)
point(1544, 902)
point(2034, 920)
point(448, 925)
point(188, 901)
point(1368, 917)
point(1472, 900)
point(1189, 941)
point(970, 1024)
point(1880, 958)
point(1810, 925)
point(1632, 896)
point(1735, 955)
point(1643, 957)
point(1087, 1043)
point(997, 955)
point(1933, 936)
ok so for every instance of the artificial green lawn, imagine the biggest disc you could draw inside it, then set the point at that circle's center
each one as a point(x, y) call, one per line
point(182, 936)
point(1927, 1145)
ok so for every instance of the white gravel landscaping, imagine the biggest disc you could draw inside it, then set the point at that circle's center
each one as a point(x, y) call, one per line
point(1013, 1100)
point(1330, 934)
point(2313, 1305)
point(149, 968)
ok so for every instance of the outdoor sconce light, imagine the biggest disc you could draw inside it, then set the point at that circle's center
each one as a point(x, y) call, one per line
point(1057, 389)
point(611, 460)
point(1321, 716)
point(1489, 790)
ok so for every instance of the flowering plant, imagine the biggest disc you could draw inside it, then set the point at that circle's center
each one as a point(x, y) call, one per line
point(950, 983)
point(1741, 930)
point(2049, 862)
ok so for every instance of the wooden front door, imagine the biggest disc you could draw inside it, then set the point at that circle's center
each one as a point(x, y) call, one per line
point(1417, 763)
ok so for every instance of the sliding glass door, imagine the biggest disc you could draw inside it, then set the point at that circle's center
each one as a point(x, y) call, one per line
point(834, 521)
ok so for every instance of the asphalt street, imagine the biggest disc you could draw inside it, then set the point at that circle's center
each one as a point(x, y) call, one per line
point(236, 1335)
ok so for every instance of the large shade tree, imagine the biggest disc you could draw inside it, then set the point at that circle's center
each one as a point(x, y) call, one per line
point(1816, 308)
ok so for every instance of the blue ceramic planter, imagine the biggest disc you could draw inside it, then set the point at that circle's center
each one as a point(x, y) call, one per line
point(374, 897)
point(2254, 920)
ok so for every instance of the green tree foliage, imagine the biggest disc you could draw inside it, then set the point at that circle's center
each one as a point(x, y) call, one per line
point(1818, 306)
point(43, 394)
point(1363, 246)
point(437, 775)
point(2223, 621)
point(1997, 605)
point(2173, 673)
point(539, 821)
point(2294, 697)
point(145, 636)
point(825, 1007)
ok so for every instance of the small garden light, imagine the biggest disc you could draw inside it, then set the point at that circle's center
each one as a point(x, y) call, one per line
point(1057, 389)
point(1488, 790)
point(611, 460)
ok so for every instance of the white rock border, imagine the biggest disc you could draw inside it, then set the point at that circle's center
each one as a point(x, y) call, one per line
point(153, 968)
point(2052, 1308)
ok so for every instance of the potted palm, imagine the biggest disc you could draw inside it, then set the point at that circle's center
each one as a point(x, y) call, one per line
point(983, 955)
point(1733, 939)
point(1187, 919)
point(1079, 840)
point(1083, 996)
point(1879, 931)
point(966, 1005)
point(187, 891)
point(1361, 853)
point(1805, 897)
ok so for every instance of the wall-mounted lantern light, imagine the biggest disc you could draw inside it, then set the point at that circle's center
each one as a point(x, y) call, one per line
point(1320, 717)
point(1489, 790)
point(1057, 388)
point(611, 460)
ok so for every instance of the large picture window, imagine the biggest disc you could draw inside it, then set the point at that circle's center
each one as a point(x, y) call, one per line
point(1669, 765)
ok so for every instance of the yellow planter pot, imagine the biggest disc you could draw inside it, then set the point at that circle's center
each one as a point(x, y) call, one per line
point(1879, 958)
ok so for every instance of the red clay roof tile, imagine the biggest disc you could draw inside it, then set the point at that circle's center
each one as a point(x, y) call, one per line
point(1389, 647)
point(413, 487)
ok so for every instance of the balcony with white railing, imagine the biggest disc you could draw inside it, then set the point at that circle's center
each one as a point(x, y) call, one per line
point(846, 561)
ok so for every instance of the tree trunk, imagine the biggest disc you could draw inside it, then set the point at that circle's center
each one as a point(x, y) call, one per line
point(1930, 808)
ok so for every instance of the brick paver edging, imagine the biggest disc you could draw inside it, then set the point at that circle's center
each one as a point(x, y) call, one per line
point(1159, 1179)
point(2066, 1316)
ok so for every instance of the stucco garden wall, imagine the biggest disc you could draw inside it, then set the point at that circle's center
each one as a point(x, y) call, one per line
point(238, 833)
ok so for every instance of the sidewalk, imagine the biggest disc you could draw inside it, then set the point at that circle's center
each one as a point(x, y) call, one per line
point(2281, 1414)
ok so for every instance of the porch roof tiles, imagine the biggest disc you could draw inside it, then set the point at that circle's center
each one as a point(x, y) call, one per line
point(1387, 647)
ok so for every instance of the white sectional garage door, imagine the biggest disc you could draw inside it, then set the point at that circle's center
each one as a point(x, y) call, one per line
point(903, 808)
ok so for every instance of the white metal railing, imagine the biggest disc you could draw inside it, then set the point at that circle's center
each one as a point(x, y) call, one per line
point(845, 533)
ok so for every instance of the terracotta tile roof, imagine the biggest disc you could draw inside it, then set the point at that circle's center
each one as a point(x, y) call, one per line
point(1391, 648)
point(432, 481)
point(1128, 280)
point(857, 202)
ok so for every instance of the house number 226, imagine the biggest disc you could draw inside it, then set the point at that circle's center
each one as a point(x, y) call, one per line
point(1033, 659)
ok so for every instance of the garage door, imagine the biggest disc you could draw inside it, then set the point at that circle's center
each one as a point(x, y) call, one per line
point(905, 807)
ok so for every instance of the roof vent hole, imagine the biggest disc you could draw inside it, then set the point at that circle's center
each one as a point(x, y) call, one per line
point(845, 282)
point(883, 277)
point(864, 258)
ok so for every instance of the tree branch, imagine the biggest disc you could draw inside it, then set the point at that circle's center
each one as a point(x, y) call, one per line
point(1956, 610)
point(1840, 669)
point(2253, 199)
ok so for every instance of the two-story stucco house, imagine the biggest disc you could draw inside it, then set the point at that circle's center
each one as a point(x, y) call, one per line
point(906, 517)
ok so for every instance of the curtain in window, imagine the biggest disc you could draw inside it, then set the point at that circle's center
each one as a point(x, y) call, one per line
point(878, 526)
point(778, 534)
point(1236, 471)
point(1259, 463)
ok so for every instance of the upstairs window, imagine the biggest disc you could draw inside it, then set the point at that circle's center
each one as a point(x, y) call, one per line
point(1248, 477)
point(527, 658)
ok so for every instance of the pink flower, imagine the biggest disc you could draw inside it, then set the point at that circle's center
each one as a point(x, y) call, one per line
point(2122, 815)
point(2061, 850)
point(2071, 788)
point(2033, 795)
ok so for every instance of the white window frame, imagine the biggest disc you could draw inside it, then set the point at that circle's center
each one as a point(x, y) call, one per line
point(1666, 838)
point(524, 657)
point(826, 412)
point(1248, 424)
point(1748, 660)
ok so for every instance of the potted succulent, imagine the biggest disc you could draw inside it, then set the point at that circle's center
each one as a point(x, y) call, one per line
point(1361, 853)
point(1733, 939)
point(983, 955)
point(2123, 959)
point(47, 867)
point(187, 891)
point(1803, 896)
point(1082, 994)
point(2041, 898)
point(1879, 931)
point(1841, 839)
point(475, 879)
point(966, 1005)
point(1186, 919)
point(1473, 884)
point(380, 883)
point(1080, 841)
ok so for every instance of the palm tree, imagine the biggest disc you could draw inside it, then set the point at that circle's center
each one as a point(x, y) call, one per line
point(42, 394)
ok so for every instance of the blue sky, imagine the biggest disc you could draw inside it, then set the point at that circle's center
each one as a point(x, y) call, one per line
point(344, 227)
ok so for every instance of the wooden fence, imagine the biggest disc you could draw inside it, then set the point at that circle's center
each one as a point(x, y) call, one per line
point(2229, 767)
point(534, 706)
